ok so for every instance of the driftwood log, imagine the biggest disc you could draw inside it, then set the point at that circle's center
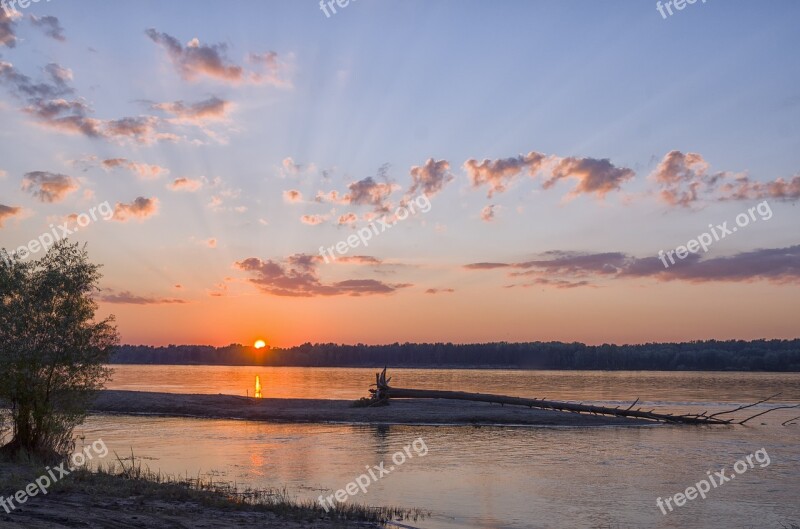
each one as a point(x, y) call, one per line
point(383, 392)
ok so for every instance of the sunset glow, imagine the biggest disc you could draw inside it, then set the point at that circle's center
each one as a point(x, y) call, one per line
point(221, 197)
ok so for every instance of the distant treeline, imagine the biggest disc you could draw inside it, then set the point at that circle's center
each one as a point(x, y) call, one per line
point(712, 355)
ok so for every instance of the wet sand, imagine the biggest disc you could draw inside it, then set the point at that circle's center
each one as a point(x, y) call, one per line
point(416, 411)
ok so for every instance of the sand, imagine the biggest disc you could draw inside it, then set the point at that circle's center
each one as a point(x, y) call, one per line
point(416, 411)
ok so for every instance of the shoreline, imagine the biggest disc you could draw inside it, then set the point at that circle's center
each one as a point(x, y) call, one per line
point(400, 412)
point(456, 367)
point(135, 499)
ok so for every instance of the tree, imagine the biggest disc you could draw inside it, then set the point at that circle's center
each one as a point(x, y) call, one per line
point(52, 352)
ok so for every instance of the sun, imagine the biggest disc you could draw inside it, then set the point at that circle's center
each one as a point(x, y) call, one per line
point(260, 344)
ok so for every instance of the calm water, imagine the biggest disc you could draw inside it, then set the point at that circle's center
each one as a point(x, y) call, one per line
point(489, 477)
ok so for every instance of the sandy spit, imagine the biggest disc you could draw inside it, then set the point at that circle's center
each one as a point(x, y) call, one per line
point(418, 412)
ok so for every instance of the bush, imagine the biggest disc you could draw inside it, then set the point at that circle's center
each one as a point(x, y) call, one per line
point(52, 352)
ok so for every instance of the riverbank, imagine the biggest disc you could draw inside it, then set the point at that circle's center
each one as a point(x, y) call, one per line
point(128, 496)
point(420, 412)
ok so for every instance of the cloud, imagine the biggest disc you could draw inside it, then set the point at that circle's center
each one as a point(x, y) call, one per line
point(140, 129)
point(499, 174)
point(593, 176)
point(313, 220)
point(185, 184)
point(555, 283)
point(778, 265)
point(681, 177)
point(226, 193)
point(8, 37)
point(331, 196)
point(292, 196)
point(368, 192)
point(195, 60)
point(348, 218)
point(684, 179)
point(271, 67)
point(487, 213)
point(52, 104)
point(365, 192)
point(297, 276)
point(291, 168)
point(743, 188)
point(200, 113)
point(8, 212)
point(365, 260)
point(439, 291)
point(125, 297)
point(220, 290)
point(143, 170)
point(140, 209)
point(49, 187)
point(486, 266)
point(431, 177)
point(54, 86)
point(50, 26)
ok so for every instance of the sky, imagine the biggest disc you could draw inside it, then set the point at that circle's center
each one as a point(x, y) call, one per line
point(411, 171)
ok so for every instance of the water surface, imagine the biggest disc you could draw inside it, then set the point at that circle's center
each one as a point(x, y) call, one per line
point(489, 477)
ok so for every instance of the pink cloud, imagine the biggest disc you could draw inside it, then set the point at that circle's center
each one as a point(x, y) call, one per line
point(140, 209)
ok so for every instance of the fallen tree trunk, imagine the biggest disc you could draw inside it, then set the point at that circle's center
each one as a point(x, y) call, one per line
point(383, 392)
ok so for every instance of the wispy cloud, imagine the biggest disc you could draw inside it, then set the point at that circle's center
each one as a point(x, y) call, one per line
point(8, 36)
point(8, 212)
point(187, 185)
point(144, 171)
point(684, 180)
point(49, 187)
point(50, 25)
point(199, 113)
point(196, 60)
point(126, 297)
point(297, 276)
point(776, 265)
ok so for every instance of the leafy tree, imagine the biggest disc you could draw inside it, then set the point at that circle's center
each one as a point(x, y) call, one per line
point(52, 352)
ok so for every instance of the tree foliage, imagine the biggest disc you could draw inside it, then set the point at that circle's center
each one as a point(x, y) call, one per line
point(53, 354)
point(709, 355)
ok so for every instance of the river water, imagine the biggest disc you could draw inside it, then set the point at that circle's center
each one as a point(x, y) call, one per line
point(490, 477)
